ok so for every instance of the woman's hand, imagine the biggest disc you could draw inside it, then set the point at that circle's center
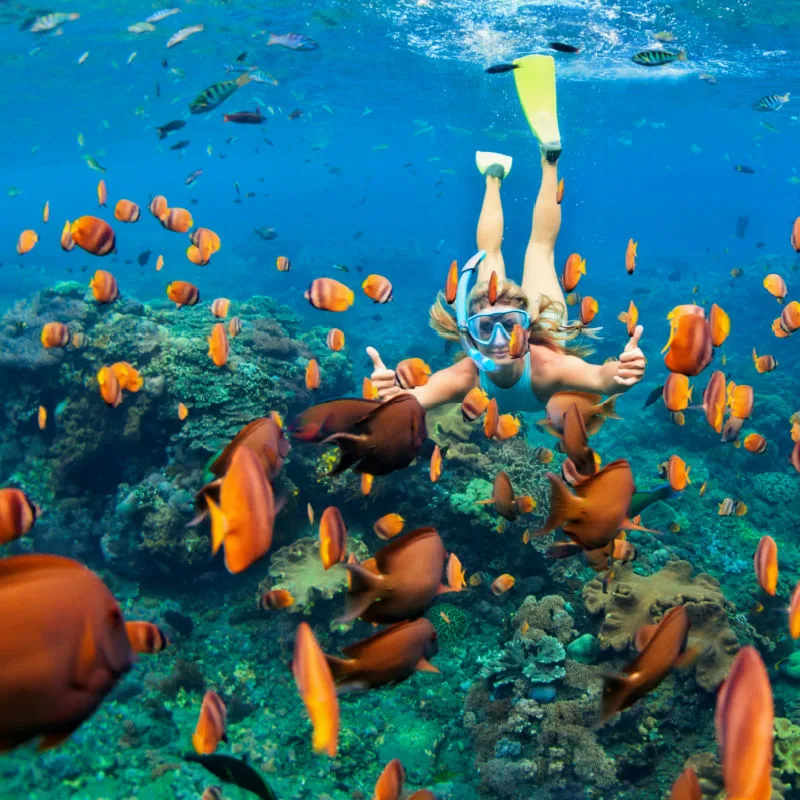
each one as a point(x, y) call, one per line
point(630, 367)
point(383, 379)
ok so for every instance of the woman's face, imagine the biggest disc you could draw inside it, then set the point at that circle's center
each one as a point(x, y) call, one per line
point(491, 327)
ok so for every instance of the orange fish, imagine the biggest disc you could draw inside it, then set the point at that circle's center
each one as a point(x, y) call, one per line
point(183, 412)
point(505, 502)
point(789, 320)
point(795, 237)
point(127, 211)
point(519, 343)
point(689, 349)
point(739, 508)
point(206, 241)
point(740, 400)
point(158, 207)
point(128, 376)
point(42, 417)
point(377, 288)
point(755, 443)
point(702, 490)
point(50, 690)
point(312, 375)
point(211, 724)
point(582, 460)
point(314, 680)
point(436, 464)
point(145, 637)
point(412, 372)
point(388, 526)
point(93, 235)
point(244, 519)
point(766, 564)
point(329, 295)
point(795, 432)
point(218, 346)
point(55, 334)
point(368, 390)
point(662, 647)
point(27, 241)
point(276, 598)
point(714, 398)
point(283, 264)
point(110, 389)
point(177, 219)
point(159, 263)
point(310, 513)
point(677, 473)
point(491, 420)
point(195, 256)
point(220, 306)
point(588, 310)
point(508, 426)
point(573, 269)
point(46, 212)
point(456, 575)
point(102, 193)
point(630, 317)
point(502, 584)
point(390, 782)
point(593, 410)
point(474, 404)
point(234, 327)
point(492, 291)
point(17, 514)
point(726, 507)
point(630, 256)
point(183, 293)
point(104, 286)
point(720, 324)
point(67, 242)
point(332, 537)
point(677, 393)
point(744, 720)
point(335, 340)
point(560, 191)
point(764, 363)
point(776, 286)
point(794, 613)
point(794, 456)
point(451, 283)
point(366, 483)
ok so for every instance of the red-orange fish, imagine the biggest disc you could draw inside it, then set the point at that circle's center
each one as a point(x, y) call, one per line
point(508, 426)
point(55, 334)
point(765, 363)
point(491, 419)
point(27, 241)
point(390, 783)
point(158, 207)
point(720, 325)
point(17, 514)
point(502, 584)
point(789, 320)
point(312, 375)
point(104, 286)
point(377, 288)
point(505, 502)
point(677, 393)
point(630, 256)
point(276, 598)
point(794, 239)
point(110, 390)
point(766, 565)
point(744, 721)
point(412, 372)
point(714, 398)
point(315, 682)
point(177, 219)
point(244, 519)
point(519, 342)
point(574, 267)
point(588, 310)
point(67, 242)
point(183, 412)
point(593, 410)
point(220, 306)
point(335, 340)
point(630, 317)
point(145, 637)
point(183, 293)
point(234, 327)
point(329, 295)
point(206, 241)
point(283, 264)
point(456, 575)
point(560, 191)
point(63, 647)
point(794, 613)
point(492, 291)
point(127, 211)
point(388, 526)
point(451, 283)
point(740, 400)
point(128, 376)
point(689, 349)
point(93, 235)
point(218, 345)
point(211, 724)
point(776, 286)
point(436, 464)
point(474, 404)
point(46, 212)
point(755, 443)
point(677, 473)
point(332, 537)
point(368, 390)
point(366, 483)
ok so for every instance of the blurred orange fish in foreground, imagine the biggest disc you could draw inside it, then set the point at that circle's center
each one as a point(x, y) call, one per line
point(744, 721)
point(686, 786)
point(315, 684)
point(63, 647)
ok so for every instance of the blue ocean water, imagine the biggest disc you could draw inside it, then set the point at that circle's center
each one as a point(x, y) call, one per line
point(378, 174)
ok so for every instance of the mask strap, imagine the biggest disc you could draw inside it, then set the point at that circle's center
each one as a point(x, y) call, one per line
point(481, 361)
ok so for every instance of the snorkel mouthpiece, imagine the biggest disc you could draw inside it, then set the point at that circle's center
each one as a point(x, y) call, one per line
point(468, 271)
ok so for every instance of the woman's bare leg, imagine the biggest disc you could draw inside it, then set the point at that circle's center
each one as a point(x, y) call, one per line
point(490, 231)
point(539, 273)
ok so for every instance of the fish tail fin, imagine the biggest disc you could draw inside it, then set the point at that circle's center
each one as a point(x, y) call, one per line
point(561, 499)
point(339, 667)
point(363, 588)
point(243, 79)
point(219, 525)
point(272, 39)
point(616, 691)
point(681, 55)
point(608, 408)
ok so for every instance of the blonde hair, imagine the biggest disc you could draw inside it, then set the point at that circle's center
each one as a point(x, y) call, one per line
point(545, 329)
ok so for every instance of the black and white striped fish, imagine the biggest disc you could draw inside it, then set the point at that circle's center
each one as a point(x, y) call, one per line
point(771, 102)
point(657, 58)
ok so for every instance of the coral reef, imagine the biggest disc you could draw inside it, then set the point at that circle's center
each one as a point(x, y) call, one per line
point(631, 601)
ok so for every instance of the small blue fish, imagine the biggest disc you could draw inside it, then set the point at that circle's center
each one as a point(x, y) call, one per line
point(259, 76)
point(771, 102)
point(293, 41)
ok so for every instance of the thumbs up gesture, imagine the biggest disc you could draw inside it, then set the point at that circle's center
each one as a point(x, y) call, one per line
point(383, 379)
point(631, 361)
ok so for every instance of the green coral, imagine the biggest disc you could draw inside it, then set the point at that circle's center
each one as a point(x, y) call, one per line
point(450, 621)
point(466, 502)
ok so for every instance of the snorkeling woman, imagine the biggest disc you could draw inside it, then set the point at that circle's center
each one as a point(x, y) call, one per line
point(527, 382)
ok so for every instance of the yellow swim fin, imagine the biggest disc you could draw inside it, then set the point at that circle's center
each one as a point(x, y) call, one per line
point(535, 77)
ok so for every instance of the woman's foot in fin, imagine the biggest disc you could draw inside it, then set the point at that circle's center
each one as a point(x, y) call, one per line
point(495, 164)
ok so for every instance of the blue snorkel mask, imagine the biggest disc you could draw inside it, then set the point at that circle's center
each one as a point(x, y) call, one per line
point(485, 326)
